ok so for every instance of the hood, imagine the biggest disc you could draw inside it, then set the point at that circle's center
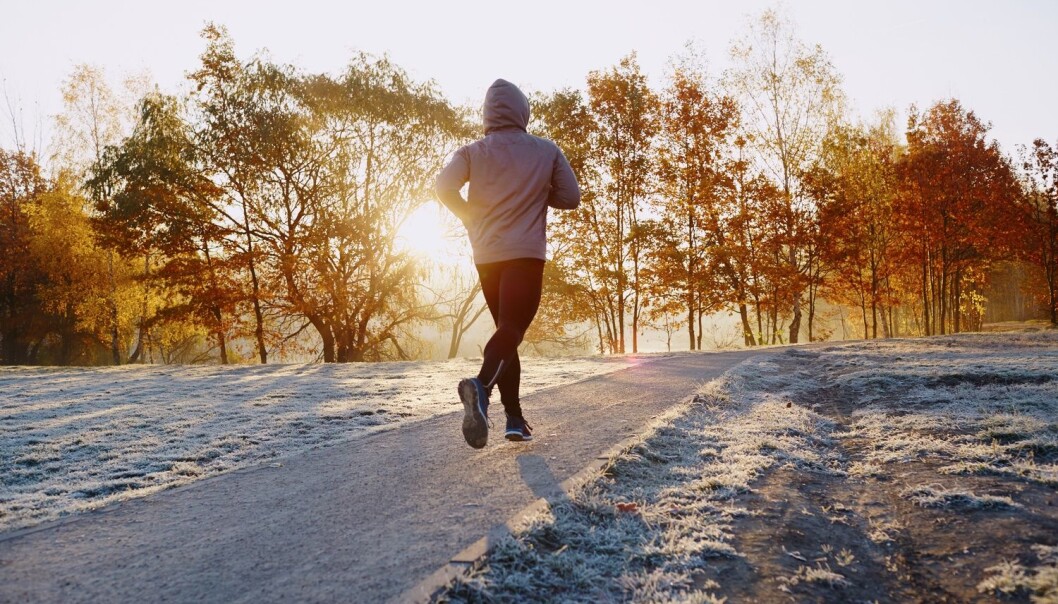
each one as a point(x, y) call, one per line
point(505, 107)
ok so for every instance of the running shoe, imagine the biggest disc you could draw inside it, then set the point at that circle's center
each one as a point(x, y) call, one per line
point(475, 412)
point(517, 429)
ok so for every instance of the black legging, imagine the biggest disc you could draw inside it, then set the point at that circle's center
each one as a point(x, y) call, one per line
point(512, 292)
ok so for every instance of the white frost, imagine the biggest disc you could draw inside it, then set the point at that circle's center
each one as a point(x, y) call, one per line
point(77, 438)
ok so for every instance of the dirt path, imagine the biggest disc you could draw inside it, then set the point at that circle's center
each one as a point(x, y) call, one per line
point(905, 530)
point(359, 521)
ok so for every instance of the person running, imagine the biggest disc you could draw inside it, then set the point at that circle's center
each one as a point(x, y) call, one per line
point(514, 177)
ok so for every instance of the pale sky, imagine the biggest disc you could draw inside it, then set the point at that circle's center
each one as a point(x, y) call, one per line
point(999, 58)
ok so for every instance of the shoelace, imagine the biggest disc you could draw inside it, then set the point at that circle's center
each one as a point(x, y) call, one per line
point(487, 418)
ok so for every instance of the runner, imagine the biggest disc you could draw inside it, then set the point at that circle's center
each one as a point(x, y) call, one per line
point(513, 177)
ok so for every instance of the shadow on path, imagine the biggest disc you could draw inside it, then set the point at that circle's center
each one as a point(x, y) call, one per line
point(538, 477)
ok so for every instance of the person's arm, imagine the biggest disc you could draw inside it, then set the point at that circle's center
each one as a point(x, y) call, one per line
point(565, 194)
point(450, 181)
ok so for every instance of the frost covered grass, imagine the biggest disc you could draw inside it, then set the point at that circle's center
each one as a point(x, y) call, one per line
point(821, 574)
point(661, 511)
point(939, 497)
point(983, 404)
point(1040, 582)
point(880, 424)
point(73, 439)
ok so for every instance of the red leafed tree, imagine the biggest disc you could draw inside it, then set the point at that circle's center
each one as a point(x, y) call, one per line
point(697, 132)
point(955, 199)
point(1039, 206)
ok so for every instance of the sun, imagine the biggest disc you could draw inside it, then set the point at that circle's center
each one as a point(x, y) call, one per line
point(431, 233)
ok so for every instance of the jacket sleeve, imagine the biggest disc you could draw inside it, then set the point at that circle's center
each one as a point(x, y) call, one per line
point(450, 181)
point(565, 194)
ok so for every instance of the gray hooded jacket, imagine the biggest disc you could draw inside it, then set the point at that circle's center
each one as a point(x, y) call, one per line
point(513, 177)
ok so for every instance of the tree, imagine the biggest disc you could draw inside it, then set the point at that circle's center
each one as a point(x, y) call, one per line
point(93, 118)
point(625, 115)
point(463, 305)
point(579, 246)
point(747, 249)
point(21, 188)
point(1039, 205)
point(163, 208)
point(955, 205)
point(854, 184)
point(379, 138)
point(790, 93)
point(229, 129)
point(73, 295)
point(695, 173)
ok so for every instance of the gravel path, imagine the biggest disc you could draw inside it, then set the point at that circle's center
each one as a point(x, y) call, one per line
point(359, 521)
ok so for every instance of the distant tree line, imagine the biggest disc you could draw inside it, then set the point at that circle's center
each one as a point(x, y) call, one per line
point(255, 216)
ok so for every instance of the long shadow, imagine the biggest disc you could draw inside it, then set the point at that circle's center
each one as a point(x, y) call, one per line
point(541, 481)
point(536, 475)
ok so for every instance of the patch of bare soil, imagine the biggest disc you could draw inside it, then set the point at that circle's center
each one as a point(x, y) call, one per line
point(906, 532)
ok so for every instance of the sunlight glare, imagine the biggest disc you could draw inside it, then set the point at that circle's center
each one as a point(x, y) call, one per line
point(431, 233)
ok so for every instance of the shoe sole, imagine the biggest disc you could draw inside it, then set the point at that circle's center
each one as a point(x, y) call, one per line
point(475, 426)
point(517, 437)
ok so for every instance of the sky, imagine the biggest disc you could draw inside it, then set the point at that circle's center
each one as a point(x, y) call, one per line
point(998, 58)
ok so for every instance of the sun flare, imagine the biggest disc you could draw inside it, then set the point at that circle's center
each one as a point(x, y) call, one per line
point(432, 234)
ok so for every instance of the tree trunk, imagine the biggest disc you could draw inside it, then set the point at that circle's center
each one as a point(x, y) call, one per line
point(222, 343)
point(700, 330)
point(747, 330)
point(943, 300)
point(622, 279)
point(598, 328)
point(690, 277)
point(863, 313)
point(115, 340)
point(690, 316)
point(142, 327)
point(258, 314)
point(925, 298)
point(957, 300)
point(795, 323)
point(760, 321)
point(329, 355)
point(811, 310)
point(215, 310)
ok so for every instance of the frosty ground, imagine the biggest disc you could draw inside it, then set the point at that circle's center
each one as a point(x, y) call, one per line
point(74, 439)
point(893, 471)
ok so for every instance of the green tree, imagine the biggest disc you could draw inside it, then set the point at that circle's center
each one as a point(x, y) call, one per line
point(163, 208)
point(93, 118)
